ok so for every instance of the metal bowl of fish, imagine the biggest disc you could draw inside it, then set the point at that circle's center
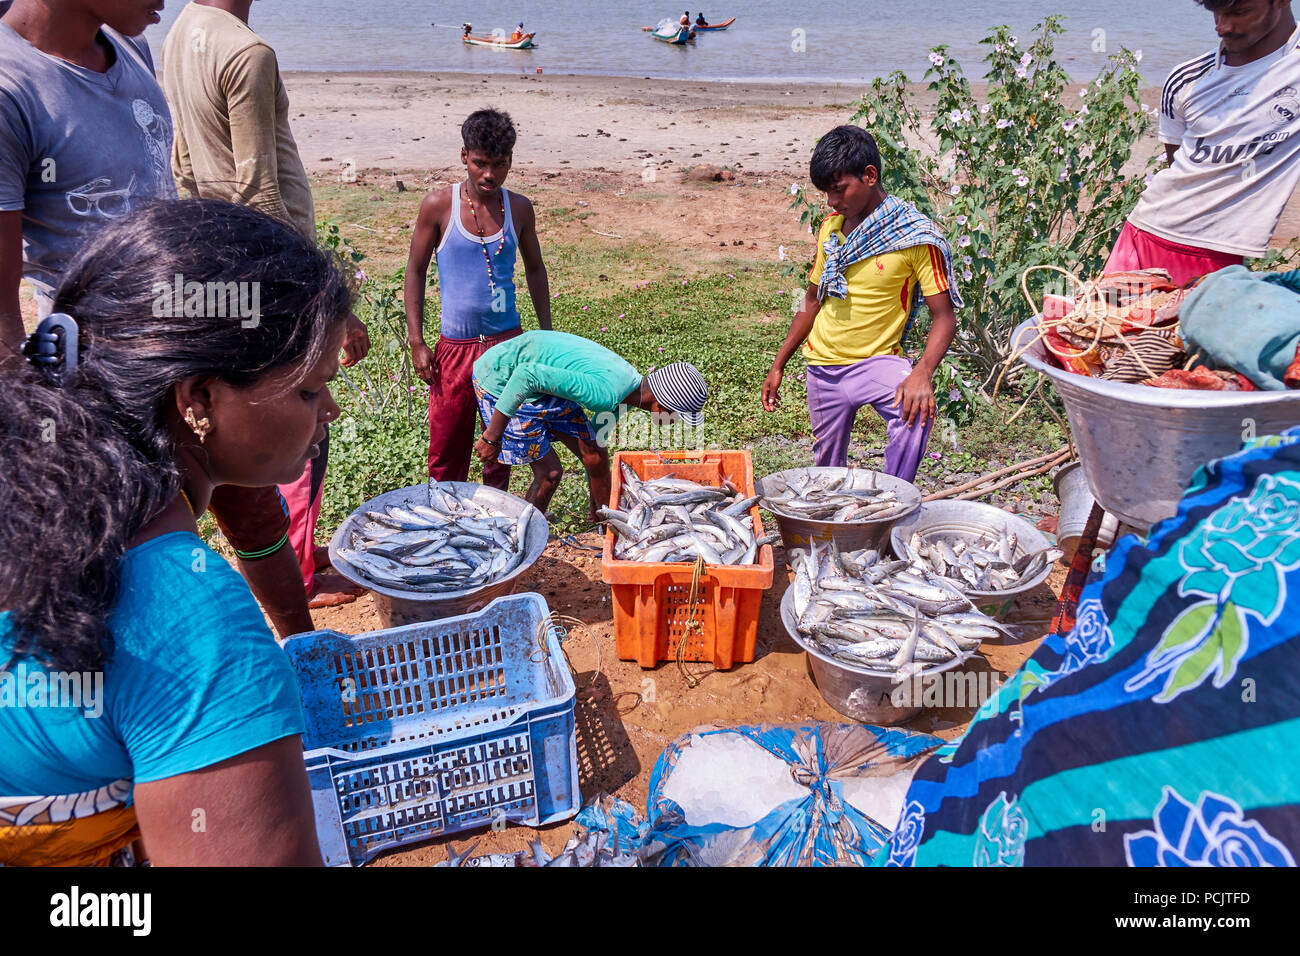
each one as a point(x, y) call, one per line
point(867, 695)
point(873, 630)
point(854, 507)
point(988, 554)
point(438, 549)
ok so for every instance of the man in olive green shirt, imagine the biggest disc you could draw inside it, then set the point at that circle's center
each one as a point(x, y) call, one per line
point(233, 142)
point(533, 389)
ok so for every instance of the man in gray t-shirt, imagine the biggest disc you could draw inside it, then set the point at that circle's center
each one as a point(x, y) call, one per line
point(85, 136)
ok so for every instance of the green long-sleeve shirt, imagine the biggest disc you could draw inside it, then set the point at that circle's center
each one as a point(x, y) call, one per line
point(568, 366)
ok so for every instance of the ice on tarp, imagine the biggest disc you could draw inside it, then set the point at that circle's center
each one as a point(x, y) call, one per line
point(880, 798)
point(729, 779)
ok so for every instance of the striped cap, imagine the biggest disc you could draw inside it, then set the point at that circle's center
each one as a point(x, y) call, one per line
point(680, 388)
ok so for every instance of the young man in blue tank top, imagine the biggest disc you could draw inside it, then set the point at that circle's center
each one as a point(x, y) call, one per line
point(474, 229)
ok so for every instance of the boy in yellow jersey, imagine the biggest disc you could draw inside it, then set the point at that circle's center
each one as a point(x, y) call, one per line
point(877, 257)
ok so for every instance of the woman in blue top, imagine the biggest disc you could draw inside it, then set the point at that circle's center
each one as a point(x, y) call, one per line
point(142, 696)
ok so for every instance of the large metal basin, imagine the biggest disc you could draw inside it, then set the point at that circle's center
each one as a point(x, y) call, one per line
point(798, 534)
point(971, 520)
point(397, 606)
point(856, 692)
point(1140, 446)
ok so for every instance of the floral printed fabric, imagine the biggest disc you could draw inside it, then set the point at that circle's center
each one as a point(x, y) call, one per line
point(1162, 730)
point(528, 436)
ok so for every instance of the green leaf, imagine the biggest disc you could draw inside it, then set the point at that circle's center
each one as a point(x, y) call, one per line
point(1187, 628)
point(1232, 639)
point(1191, 671)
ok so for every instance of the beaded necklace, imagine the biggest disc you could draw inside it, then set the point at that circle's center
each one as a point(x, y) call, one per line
point(483, 239)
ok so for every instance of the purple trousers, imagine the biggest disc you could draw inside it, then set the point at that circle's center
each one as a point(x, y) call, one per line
point(836, 392)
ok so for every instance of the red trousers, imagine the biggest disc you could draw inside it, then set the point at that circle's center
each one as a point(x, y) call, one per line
point(453, 410)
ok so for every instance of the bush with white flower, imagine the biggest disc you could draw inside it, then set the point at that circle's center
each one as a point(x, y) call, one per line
point(1030, 176)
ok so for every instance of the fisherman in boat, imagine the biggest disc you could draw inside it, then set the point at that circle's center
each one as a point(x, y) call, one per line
point(518, 34)
point(468, 28)
point(700, 21)
point(686, 19)
point(1230, 125)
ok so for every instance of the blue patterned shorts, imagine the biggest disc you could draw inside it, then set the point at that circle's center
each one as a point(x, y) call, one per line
point(528, 436)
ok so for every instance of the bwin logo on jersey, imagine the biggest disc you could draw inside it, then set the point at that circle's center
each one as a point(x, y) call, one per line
point(1239, 152)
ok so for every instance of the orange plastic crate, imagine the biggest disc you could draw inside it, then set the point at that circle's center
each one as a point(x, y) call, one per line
point(651, 599)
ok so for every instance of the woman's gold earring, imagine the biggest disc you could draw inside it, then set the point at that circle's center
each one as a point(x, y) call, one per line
point(200, 427)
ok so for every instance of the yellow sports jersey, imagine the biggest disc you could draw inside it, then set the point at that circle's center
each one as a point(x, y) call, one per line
point(870, 321)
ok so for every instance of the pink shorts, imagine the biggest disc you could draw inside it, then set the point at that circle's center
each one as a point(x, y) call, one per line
point(1137, 249)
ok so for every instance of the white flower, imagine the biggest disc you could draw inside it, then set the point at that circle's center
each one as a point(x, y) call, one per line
point(1026, 59)
point(1017, 172)
point(955, 116)
point(966, 276)
point(361, 275)
point(966, 260)
point(961, 220)
point(1033, 205)
point(1061, 177)
point(964, 241)
point(1083, 110)
point(936, 59)
point(1022, 181)
point(984, 108)
point(965, 114)
point(794, 189)
point(1084, 91)
point(1069, 125)
point(780, 253)
point(1012, 42)
point(1137, 55)
point(1021, 72)
point(1059, 151)
point(955, 190)
point(985, 252)
point(1003, 123)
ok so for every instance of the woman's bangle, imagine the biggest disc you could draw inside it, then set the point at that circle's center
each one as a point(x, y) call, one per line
point(494, 444)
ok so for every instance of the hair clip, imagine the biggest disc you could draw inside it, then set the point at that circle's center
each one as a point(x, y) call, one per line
point(53, 346)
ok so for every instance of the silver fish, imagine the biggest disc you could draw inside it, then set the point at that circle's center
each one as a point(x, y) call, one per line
point(453, 543)
point(675, 520)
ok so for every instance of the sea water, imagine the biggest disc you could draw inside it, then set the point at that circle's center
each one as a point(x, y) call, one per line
point(830, 41)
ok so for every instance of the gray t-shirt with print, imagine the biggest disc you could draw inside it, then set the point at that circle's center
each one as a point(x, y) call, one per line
point(77, 148)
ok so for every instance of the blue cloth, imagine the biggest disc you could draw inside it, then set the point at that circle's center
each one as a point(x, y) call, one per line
point(195, 678)
point(530, 430)
point(821, 829)
point(1246, 321)
point(892, 226)
point(1162, 730)
point(470, 306)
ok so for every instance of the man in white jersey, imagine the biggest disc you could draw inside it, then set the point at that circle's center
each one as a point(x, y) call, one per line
point(1230, 124)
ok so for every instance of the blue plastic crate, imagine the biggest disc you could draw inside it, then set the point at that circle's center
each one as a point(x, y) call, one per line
point(433, 728)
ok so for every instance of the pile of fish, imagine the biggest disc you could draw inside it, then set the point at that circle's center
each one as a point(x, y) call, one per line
point(826, 496)
point(452, 544)
point(983, 562)
point(863, 609)
point(590, 850)
point(673, 519)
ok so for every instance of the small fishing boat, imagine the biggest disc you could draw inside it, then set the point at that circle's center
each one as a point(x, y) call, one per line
point(501, 44)
point(671, 32)
point(716, 26)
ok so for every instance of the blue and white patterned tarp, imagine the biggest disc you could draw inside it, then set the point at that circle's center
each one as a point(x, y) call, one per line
point(819, 830)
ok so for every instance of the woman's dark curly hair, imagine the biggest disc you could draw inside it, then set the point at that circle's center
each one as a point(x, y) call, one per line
point(84, 466)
